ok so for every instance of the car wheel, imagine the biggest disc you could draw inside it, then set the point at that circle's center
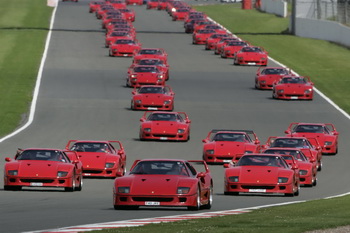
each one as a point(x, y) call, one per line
point(319, 166)
point(72, 187)
point(198, 201)
point(296, 193)
point(210, 198)
point(127, 83)
point(80, 187)
point(132, 106)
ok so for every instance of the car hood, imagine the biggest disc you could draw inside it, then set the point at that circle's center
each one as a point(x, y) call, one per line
point(35, 168)
point(229, 148)
point(151, 98)
point(165, 126)
point(258, 174)
point(92, 160)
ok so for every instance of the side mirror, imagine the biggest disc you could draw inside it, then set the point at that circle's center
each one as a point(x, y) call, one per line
point(75, 161)
point(257, 142)
point(120, 152)
point(201, 175)
point(226, 165)
point(133, 92)
point(287, 131)
point(188, 121)
point(8, 159)
point(335, 133)
point(142, 119)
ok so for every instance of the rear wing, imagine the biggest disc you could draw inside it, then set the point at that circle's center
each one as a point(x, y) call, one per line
point(199, 165)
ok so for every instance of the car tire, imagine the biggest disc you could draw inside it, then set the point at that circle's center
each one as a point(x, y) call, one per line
point(320, 166)
point(72, 188)
point(210, 199)
point(80, 187)
point(198, 201)
point(132, 105)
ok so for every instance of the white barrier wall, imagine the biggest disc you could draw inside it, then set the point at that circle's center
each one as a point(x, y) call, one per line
point(323, 30)
point(277, 7)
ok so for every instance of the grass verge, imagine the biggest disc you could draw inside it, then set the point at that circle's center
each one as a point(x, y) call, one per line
point(326, 63)
point(23, 29)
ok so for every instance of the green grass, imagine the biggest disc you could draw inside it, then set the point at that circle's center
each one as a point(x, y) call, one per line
point(327, 64)
point(311, 215)
point(23, 29)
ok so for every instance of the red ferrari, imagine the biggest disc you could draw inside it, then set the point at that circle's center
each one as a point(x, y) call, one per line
point(293, 88)
point(261, 174)
point(222, 43)
point(307, 169)
point(134, 2)
point(174, 126)
point(152, 4)
point(251, 55)
point(211, 42)
point(100, 158)
point(314, 153)
point(38, 168)
point(201, 36)
point(326, 134)
point(124, 48)
point(111, 38)
point(232, 47)
point(129, 14)
point(94, 5)
point(165, 183)
point(161, 65)
point(223, 146)
point(139, 75)
point(151, 53)
point(266, 77)
point(152, 97)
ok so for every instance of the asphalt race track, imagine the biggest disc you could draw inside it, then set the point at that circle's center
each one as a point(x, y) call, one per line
point(83, 96)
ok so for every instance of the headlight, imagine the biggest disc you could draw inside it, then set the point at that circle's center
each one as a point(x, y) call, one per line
point(133, 75)
point(183, 190)
point(123, 189)
point(308, 91)
point(160, 76)
point(327, 143)
point(240, 58)
point(134, 79)
point(180, 130)
point(115, 50)
point(248, 152)
point(12, 172)
point(282, 179)
point(62, 174)
point(109, 165)
point(280, 91)
point(303, 172)
point(263, 58)
point(210, 152)
point(263, 81)
point(138, 101)
point(147, 129)
point(167, 102)
point(233, 178)
point(173, 9)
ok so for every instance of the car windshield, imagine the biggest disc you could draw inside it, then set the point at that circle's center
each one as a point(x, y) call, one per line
point(125, 42)
point(275, 71)
point(150, 51)
point(152, 90)
point(290, 142)
point(119, 34)
point(206, 31)
point(251, 49)
point(90, 147)
point(298, 155)
point(258, 160)
point(150, 62)
point(50, 155)
point(309, 129)
point(232, 137)
point(237, 43)
point(146, 69)
point(160, 168)
point(293, 80)
point(162, 117)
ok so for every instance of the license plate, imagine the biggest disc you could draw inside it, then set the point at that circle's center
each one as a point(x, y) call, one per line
point(36, 184)
point(257, 190)
point(163, 138)
point(251, 63)
point(152, 203)
point(125, 55)
point(294, 97)
point(152, 108)
point(227, 160)
point(87, 174)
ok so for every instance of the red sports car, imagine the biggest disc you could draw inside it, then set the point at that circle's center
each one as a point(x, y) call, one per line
point(117, 4)
point(326, 134)
point(261, 174)
point(152, 97)
point(222, 43)
point(161, 65)
point(165, 183)
point(151, 53)
point(251, 55)
point(223, 146)
point(232, 47)
point(201, 36)
point(139, 75)
point(314, 153)
point(134, 2)
point(94, 5)
point(37, 167)
point(111, 38)
point(180, 14)
point(307, 169)
point(152, 4)
point(100, 158)
point(174, 126)
point(266, 77)
point(129, 14)
point(124, 48)
point(211, 42)
point(293, 88)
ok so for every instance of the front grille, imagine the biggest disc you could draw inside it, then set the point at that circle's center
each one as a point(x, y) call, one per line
point(92, 171)
point(164, 135)
point(153, 106)
point(257, 187)
point(37, 181)
point(159, 199)
point(289, 95)
point(225, 158)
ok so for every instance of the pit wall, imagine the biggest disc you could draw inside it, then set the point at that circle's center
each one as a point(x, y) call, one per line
point(277, 7)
